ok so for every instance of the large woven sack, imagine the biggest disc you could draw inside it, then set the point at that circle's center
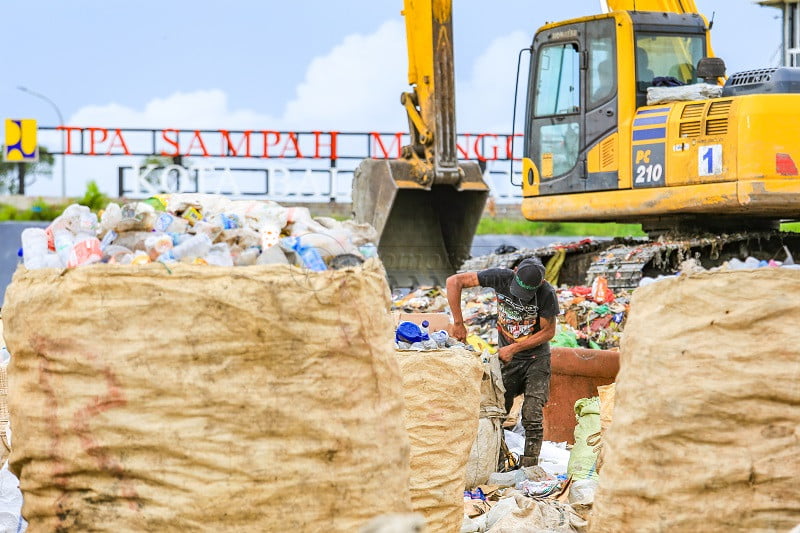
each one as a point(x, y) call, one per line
point(442, 398)
point(706, 431)
point(5, 442)
point(196, 398)
point(485, 453)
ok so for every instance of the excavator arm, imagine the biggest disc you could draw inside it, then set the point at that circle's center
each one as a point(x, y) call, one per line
point(425, 206)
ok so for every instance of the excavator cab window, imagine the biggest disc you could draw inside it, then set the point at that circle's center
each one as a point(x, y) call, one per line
point(558, 95)
point(602, 77)
point(667, 56)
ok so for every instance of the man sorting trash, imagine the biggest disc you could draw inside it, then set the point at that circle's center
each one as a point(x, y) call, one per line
point(526, 321)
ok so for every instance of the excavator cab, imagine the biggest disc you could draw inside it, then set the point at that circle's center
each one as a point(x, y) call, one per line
point(425, 206)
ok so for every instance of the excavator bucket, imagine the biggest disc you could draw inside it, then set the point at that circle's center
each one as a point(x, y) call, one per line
point(424, 232)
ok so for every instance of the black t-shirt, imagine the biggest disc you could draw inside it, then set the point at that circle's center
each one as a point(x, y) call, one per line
point(516, 320)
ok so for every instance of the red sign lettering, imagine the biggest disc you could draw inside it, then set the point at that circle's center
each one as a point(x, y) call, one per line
point(332, 144)
point(68, 131)
point(229, 149)
point(267, 144)
point(118, 137)
point(93, 140)
point(478, 150)
point(199, 138)
point(397, 140)
point(296, 146)
point(172, 142)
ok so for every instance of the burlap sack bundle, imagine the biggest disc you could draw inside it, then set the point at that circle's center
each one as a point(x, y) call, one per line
point(5, 442)
point(485, 453)
point(442, 390)
point(195, 398)
point(706, 431)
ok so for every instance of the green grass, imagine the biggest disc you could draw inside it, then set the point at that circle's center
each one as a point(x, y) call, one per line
point(514, 226)
point(794, 227)
point(506, 226)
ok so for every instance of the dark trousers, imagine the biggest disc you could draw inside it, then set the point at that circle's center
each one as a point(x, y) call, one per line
point(530, 377)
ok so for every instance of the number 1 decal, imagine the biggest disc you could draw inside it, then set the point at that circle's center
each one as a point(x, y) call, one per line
point(709, 160)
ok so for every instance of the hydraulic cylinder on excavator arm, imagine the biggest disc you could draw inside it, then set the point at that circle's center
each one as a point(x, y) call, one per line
point(425, 206)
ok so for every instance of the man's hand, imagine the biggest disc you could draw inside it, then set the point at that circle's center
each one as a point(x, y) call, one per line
point(505, 353)
point(460, 332)
point(454, 285)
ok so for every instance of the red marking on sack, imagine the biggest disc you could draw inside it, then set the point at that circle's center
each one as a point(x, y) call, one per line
point(112, 398)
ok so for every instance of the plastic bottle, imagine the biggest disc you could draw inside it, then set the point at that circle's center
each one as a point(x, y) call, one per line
point(308, 256)
point(85, 251)
point(248, 257)
point(34, 247)
point(272, 256)
point(158, 244)
point(111, 217)
point(115, 254)
point(195, 246)
point(424, 329)
point(440, 337)
point(63, 240)
point(368, 250)
point(219, 255)
point(140, 258)
point(410, 332)
point(108, 239)
point(87, 223)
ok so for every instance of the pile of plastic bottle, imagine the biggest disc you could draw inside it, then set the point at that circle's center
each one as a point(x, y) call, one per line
point(411, 336)
point(197, 229)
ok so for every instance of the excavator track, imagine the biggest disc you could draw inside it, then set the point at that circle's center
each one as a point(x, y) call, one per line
point(624, 262)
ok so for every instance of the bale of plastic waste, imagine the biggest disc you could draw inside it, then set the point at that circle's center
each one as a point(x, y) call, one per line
point(442, 390)
point(485, 453)
point(707, 408)
point(191, 398)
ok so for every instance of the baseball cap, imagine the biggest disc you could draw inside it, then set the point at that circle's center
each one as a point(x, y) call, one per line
point(527, 278)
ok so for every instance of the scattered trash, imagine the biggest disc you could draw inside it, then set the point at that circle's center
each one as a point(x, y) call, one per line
point(591, 318)
point(412, 336)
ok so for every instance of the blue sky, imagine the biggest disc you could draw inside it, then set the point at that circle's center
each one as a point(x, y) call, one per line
point(282, 65)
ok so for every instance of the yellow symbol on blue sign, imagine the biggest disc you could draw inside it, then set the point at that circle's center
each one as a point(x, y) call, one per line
point(642, 156)
point(21, 145)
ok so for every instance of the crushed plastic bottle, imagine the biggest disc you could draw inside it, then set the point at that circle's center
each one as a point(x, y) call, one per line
point(193, 247)
point(85, 252)
point(307, 255)
point(34, 247)
point(410, 332)
point(440, 338)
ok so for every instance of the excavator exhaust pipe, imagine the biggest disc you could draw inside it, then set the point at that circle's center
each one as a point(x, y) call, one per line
point(424, 231)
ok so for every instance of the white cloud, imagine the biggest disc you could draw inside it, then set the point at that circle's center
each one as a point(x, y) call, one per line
point(204, 108)
point(354, 87)
point(485, 100)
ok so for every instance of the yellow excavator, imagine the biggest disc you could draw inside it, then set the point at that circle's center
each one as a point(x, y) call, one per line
point(711, 164)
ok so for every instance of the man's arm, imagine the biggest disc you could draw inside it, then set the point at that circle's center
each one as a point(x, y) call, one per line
point(542, 336)
point(454, 285)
